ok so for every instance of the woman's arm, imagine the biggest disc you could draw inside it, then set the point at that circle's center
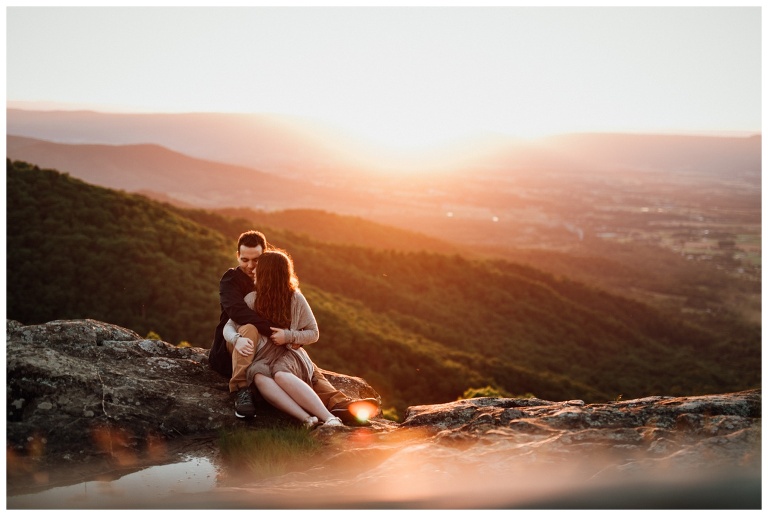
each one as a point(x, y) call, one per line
point(307, 331)
point(230, 332)
point(232, 328)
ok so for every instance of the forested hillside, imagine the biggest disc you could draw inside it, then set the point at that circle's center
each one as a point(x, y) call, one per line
point(79, 251)
point(420, 327)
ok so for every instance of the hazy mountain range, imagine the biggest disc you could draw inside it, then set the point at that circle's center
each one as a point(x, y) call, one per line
point(482, 192)
point(153, 169)
point(571, 193)
point(293, 147)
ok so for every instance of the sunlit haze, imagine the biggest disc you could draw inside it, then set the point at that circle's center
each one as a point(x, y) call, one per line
point(529, 238)
point(402, 77)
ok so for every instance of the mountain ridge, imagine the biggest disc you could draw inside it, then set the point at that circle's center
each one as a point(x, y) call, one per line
point(174, 175)
point(292, 147)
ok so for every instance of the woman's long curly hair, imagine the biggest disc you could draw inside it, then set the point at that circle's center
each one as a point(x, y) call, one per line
point(276, 282)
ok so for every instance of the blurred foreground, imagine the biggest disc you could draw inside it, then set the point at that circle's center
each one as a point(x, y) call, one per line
point(696, 452)
point(403, 471)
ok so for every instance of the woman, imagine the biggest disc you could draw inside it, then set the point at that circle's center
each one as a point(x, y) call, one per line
point(281, 369)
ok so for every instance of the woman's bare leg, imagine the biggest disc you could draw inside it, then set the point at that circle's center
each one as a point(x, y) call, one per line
point(278, 398)
point(302, 394)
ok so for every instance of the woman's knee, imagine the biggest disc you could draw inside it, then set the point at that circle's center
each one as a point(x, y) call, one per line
point(282, 376)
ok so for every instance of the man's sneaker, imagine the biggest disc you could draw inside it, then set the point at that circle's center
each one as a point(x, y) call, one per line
point(356, 412)
point(244, 406)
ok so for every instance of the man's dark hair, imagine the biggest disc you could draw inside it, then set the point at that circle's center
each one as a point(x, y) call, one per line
point(252, 239)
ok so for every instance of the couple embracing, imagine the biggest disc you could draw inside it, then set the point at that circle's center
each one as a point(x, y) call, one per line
point(259, 341)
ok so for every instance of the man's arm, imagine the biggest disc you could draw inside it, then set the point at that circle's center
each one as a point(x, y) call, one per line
point(231, 296)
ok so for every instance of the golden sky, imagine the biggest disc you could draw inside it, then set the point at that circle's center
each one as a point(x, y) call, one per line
point(402, 76)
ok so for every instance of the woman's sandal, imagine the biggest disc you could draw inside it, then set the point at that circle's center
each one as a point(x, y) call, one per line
point(311, 422)
point(334, 421)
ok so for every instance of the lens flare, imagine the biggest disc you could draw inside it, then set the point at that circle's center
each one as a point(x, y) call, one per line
point(363, 410)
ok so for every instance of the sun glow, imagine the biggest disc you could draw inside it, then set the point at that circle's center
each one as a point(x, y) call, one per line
point(405, 80)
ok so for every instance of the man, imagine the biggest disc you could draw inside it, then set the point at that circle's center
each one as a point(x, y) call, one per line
point(232, 360)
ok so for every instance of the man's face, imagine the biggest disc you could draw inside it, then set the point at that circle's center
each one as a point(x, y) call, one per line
point(247, 258)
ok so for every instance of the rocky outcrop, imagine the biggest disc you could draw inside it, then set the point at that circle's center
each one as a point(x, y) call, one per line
point(655, 452)
point(71, 383)
point(78, 386)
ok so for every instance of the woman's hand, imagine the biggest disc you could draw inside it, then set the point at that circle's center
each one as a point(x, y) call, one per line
point(279, 337)
point(244, 346)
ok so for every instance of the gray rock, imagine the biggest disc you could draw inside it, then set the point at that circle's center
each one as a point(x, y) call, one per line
point(711, 432)
point(76, 388)
point(88, 386)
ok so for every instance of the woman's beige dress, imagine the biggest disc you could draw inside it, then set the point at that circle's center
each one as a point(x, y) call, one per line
point(270, 357)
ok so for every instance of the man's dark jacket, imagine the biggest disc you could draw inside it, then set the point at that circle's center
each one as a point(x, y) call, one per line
point(233, 287)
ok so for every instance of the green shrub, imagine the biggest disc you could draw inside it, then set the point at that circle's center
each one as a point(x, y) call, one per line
point(490, 392)
point(390, 414)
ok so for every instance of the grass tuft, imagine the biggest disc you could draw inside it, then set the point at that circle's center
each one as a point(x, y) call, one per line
point(268, 452)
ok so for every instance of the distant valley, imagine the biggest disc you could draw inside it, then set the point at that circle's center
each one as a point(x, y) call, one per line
point(675, 220)
point(553, 193)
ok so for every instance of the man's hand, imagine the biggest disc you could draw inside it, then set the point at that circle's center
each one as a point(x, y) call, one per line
point(244, 346)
